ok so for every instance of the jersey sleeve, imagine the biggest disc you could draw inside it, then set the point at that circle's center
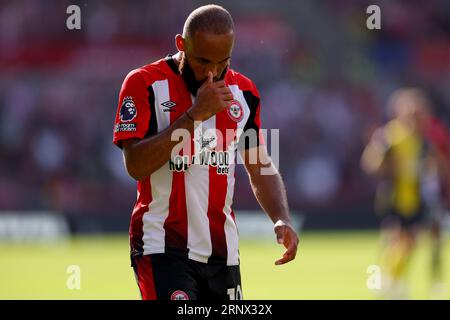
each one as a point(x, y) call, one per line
point(438, 135)
point(252, 135)
point(133, 110)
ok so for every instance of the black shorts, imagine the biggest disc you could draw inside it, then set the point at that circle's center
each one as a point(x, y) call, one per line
point(168, 276)
point(406, 222)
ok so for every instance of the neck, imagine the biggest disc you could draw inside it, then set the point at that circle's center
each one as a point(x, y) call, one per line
point(177, 58)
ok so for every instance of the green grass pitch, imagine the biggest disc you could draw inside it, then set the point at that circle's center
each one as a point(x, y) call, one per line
point(329, 265)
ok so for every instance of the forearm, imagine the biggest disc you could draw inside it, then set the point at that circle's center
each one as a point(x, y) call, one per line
point(143, 157)
point(270, 192)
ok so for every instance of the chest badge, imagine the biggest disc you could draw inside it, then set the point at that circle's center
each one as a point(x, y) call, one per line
point(235, 111)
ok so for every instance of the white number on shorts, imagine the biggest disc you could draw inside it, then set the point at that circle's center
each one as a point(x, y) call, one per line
point(235, 293)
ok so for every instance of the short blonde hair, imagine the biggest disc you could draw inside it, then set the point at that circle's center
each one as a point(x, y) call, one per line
point(407, 101)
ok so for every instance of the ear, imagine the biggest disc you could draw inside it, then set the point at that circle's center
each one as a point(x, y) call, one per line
point(180, 43)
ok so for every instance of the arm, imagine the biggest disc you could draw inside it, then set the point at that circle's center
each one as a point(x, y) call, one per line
point(270, 192)
point(373, 155)
point(374, 160)
point(143, 157)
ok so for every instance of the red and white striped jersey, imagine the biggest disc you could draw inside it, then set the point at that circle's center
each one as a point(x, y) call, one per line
point(186, 205)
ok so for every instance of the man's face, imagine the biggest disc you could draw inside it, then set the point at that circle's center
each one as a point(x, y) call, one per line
point(204, 53)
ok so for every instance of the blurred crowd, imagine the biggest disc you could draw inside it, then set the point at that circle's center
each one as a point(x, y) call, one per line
point(324, 80)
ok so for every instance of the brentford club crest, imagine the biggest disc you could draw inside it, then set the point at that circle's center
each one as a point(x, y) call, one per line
point(235, 111)
point(179, 295)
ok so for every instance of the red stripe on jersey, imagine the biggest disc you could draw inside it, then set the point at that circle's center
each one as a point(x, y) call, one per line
point(141, 207)
point(216, 202)
point(218, 184)
point(436, 133)
point(176, 224)
point(145, 279)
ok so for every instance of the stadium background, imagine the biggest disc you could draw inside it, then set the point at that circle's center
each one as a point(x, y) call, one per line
point(324, 79)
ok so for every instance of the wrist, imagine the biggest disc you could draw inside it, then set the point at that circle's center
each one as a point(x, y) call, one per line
point(192, 115)
point(282, 222)
point(189, 116)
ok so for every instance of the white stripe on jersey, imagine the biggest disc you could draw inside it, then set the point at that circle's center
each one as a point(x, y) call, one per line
point(158, 210)
point(239, 96)
point(161, 91)
point(197, 194)
point(161, 183)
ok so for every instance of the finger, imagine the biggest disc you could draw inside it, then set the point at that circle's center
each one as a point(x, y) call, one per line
point(279, 231)
point(288, 255)
point(220, 84)
point(291, 248)
point(223, 90)
point(284, 259)
point(290, 241)
point(280, 239)
point(227, 97)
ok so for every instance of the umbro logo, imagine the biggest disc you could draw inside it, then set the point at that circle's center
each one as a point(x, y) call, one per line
point(168, 105)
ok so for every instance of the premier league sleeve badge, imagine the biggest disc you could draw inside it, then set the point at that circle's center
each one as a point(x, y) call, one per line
point(128, 110)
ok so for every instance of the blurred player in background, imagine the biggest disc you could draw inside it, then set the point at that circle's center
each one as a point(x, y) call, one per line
point(183, 233)
point(410, 156)
point(436, 190)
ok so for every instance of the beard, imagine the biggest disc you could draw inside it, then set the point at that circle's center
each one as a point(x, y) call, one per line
point(189, 78)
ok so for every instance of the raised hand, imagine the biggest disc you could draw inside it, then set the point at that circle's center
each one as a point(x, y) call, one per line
point(212, 97)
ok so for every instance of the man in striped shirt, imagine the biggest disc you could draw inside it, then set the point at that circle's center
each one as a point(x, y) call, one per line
point(180, 121)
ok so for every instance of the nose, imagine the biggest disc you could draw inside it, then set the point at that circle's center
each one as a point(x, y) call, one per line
point(213, 69)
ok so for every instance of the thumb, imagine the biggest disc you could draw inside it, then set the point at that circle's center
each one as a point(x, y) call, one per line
point(279, 229)
point(280, 235)
point(210, 77)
